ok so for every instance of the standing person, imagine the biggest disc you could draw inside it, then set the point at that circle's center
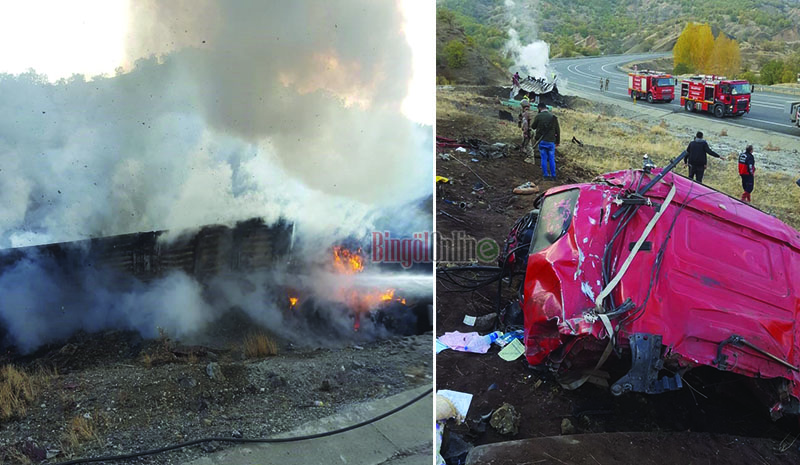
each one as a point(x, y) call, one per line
point(696, 157)
point(606, 84)
point(601, 84)
point(747, 170)
point(525, 124)
point(548, 134)
point(514, 85)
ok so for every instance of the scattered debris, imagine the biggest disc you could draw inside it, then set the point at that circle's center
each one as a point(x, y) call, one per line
point(527, 188)
point(567, 427)
point(446, 410)
point(451, 217)
point(485, 322)
point(512, 351)
point(473, 172)
point(576, 141)
point(469, 342)
point(505, 420)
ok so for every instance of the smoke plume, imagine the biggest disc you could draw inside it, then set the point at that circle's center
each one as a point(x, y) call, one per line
point(530, 55)
point(230, 110)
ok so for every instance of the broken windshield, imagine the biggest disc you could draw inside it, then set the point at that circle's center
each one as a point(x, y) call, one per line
point(554, 219)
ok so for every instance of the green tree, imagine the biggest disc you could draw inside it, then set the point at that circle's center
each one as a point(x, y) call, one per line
point(455, 53)
point(788, 75)
point(771, 72)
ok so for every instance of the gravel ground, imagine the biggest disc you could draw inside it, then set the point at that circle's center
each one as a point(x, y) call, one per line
point(191, 392)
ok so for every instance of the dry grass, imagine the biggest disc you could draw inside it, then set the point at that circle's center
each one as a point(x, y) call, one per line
point(160, 352)
point(257, 345)
point(79, 430)
point(612, 143)
point(15, 457)
point(18, 389)
point(771, 148)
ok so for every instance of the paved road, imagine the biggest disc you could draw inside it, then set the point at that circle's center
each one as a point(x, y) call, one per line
point(405, 438)
point(767, 110)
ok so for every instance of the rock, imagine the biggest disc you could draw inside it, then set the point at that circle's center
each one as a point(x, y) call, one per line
point(214, 371)
point(567, 427)
point(485, 323)
point(236, 434)
point(325, 386)
point(505, 420)
point(187, 382)
point(275, 380)
point(210, 446)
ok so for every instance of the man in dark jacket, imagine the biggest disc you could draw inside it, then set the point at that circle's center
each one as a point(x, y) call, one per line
point(549, 136)
point(747, 170)
point(696, 157)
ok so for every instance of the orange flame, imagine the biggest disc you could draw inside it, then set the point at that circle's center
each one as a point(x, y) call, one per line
point(292, 302)
point(346, 261)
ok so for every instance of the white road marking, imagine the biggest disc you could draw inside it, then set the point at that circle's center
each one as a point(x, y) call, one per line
point(755, 103)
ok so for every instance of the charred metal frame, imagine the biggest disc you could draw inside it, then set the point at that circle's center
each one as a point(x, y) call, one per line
point(646, 363)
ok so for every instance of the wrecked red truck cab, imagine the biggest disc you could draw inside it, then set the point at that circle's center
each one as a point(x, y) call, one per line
point(681, 277)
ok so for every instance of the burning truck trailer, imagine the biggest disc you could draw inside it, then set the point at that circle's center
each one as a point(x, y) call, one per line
point(247, 249)
point(667, 274)
point(540, 89)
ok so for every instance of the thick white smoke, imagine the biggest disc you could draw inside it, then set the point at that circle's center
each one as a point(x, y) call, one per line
point(226, 111)
point(259, 109)
point(530, 55)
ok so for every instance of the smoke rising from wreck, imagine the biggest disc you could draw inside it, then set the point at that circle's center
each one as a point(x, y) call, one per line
point(267, 110)
point(530, 55)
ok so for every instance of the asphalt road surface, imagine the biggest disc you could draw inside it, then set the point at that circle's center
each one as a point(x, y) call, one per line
point(767, 110)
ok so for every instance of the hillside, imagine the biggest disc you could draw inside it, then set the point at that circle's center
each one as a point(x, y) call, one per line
point(467, 52)
point(765, 28)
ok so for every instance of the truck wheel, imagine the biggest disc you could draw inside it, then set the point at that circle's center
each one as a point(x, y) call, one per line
point(719, 111)
point(689, 106)
point(649, 97)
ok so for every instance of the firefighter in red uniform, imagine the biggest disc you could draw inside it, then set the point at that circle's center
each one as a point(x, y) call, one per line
point(747, 169)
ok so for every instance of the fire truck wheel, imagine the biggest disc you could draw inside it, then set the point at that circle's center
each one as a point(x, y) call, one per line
point(689, 106)
point(649, 97)
point(719, 111)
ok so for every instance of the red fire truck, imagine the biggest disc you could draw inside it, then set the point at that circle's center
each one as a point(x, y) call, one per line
point(652, 85)
point(716, 94)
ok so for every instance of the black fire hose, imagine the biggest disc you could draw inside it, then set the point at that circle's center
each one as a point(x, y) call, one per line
point(112, 458)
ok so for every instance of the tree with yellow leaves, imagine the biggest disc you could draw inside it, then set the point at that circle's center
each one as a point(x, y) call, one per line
point(694, 48)
point(725, 59)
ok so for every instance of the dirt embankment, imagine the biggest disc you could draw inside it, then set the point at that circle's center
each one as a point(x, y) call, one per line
point(608, 140)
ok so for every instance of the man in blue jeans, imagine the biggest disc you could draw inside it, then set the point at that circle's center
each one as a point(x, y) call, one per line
point(549, 136)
